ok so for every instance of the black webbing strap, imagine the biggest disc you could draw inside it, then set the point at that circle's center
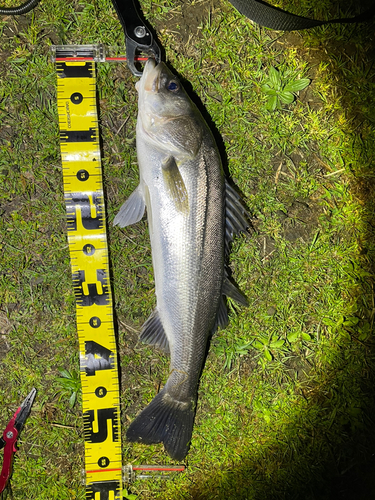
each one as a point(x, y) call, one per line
point(272, 17)
point(21, 9)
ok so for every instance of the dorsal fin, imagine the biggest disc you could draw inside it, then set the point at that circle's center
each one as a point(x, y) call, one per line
point(236, 216)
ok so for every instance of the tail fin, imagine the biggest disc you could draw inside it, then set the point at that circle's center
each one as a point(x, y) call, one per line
point(165, 420)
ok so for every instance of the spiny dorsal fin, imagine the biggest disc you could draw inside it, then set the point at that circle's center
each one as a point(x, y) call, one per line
point(236, 217)
point(175, 184)
point(153, 332)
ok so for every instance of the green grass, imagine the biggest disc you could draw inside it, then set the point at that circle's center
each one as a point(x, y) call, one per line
point(285, 401)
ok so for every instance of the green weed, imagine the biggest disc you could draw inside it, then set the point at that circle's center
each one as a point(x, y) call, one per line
point(281, 87)
point(129, 496)
point(70, 386)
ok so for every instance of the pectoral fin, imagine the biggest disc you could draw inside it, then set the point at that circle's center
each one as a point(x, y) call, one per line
point(132, 210)
point(175, 184)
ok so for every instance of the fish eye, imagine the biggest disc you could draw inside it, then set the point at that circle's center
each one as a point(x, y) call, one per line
point(172, 86)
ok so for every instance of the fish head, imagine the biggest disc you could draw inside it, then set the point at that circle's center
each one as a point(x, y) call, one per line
point(166, 114)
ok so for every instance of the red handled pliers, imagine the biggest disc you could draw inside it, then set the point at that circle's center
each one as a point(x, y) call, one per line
point(10, 436)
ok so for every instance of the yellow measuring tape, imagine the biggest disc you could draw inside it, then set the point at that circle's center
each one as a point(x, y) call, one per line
point(80, 152)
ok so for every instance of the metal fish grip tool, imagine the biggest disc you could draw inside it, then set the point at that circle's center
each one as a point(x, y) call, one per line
point(83, 189)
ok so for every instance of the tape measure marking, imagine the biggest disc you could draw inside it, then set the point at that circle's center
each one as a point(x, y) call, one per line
point(80, 152)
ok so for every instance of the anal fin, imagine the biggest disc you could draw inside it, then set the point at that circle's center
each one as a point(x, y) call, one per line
point(232, 291)
point(153, 332)
point(221, 316)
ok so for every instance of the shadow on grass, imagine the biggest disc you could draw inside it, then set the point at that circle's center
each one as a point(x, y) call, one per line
point(327, 451)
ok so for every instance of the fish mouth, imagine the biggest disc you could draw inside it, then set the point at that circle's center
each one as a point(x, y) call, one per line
point(151, 76)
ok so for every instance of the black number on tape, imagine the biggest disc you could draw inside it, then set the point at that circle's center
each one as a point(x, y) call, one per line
point(82, 175)
point(102, 417)
point(103, 462)
point(88, 249)
point(88, 294)
point(65, 71)
point(104, 488)
point(95, 322)
point(76, 98)
point(100, 392)
point(89, 135)
point(97, 358)
point(74, 201)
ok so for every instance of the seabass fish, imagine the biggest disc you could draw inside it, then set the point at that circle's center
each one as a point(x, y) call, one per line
point(192, 215)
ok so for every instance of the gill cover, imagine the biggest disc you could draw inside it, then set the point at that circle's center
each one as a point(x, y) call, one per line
point(166, 113)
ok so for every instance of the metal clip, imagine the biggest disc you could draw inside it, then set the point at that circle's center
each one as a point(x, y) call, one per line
point(128, 474)
point(95, 53)
point(138, 37)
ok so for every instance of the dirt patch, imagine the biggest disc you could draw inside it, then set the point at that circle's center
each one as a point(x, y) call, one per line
point(6, 326)
point(8, 321)
point(186, 18)
point(301, 220)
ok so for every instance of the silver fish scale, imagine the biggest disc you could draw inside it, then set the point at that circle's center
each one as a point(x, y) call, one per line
point(188, 261)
